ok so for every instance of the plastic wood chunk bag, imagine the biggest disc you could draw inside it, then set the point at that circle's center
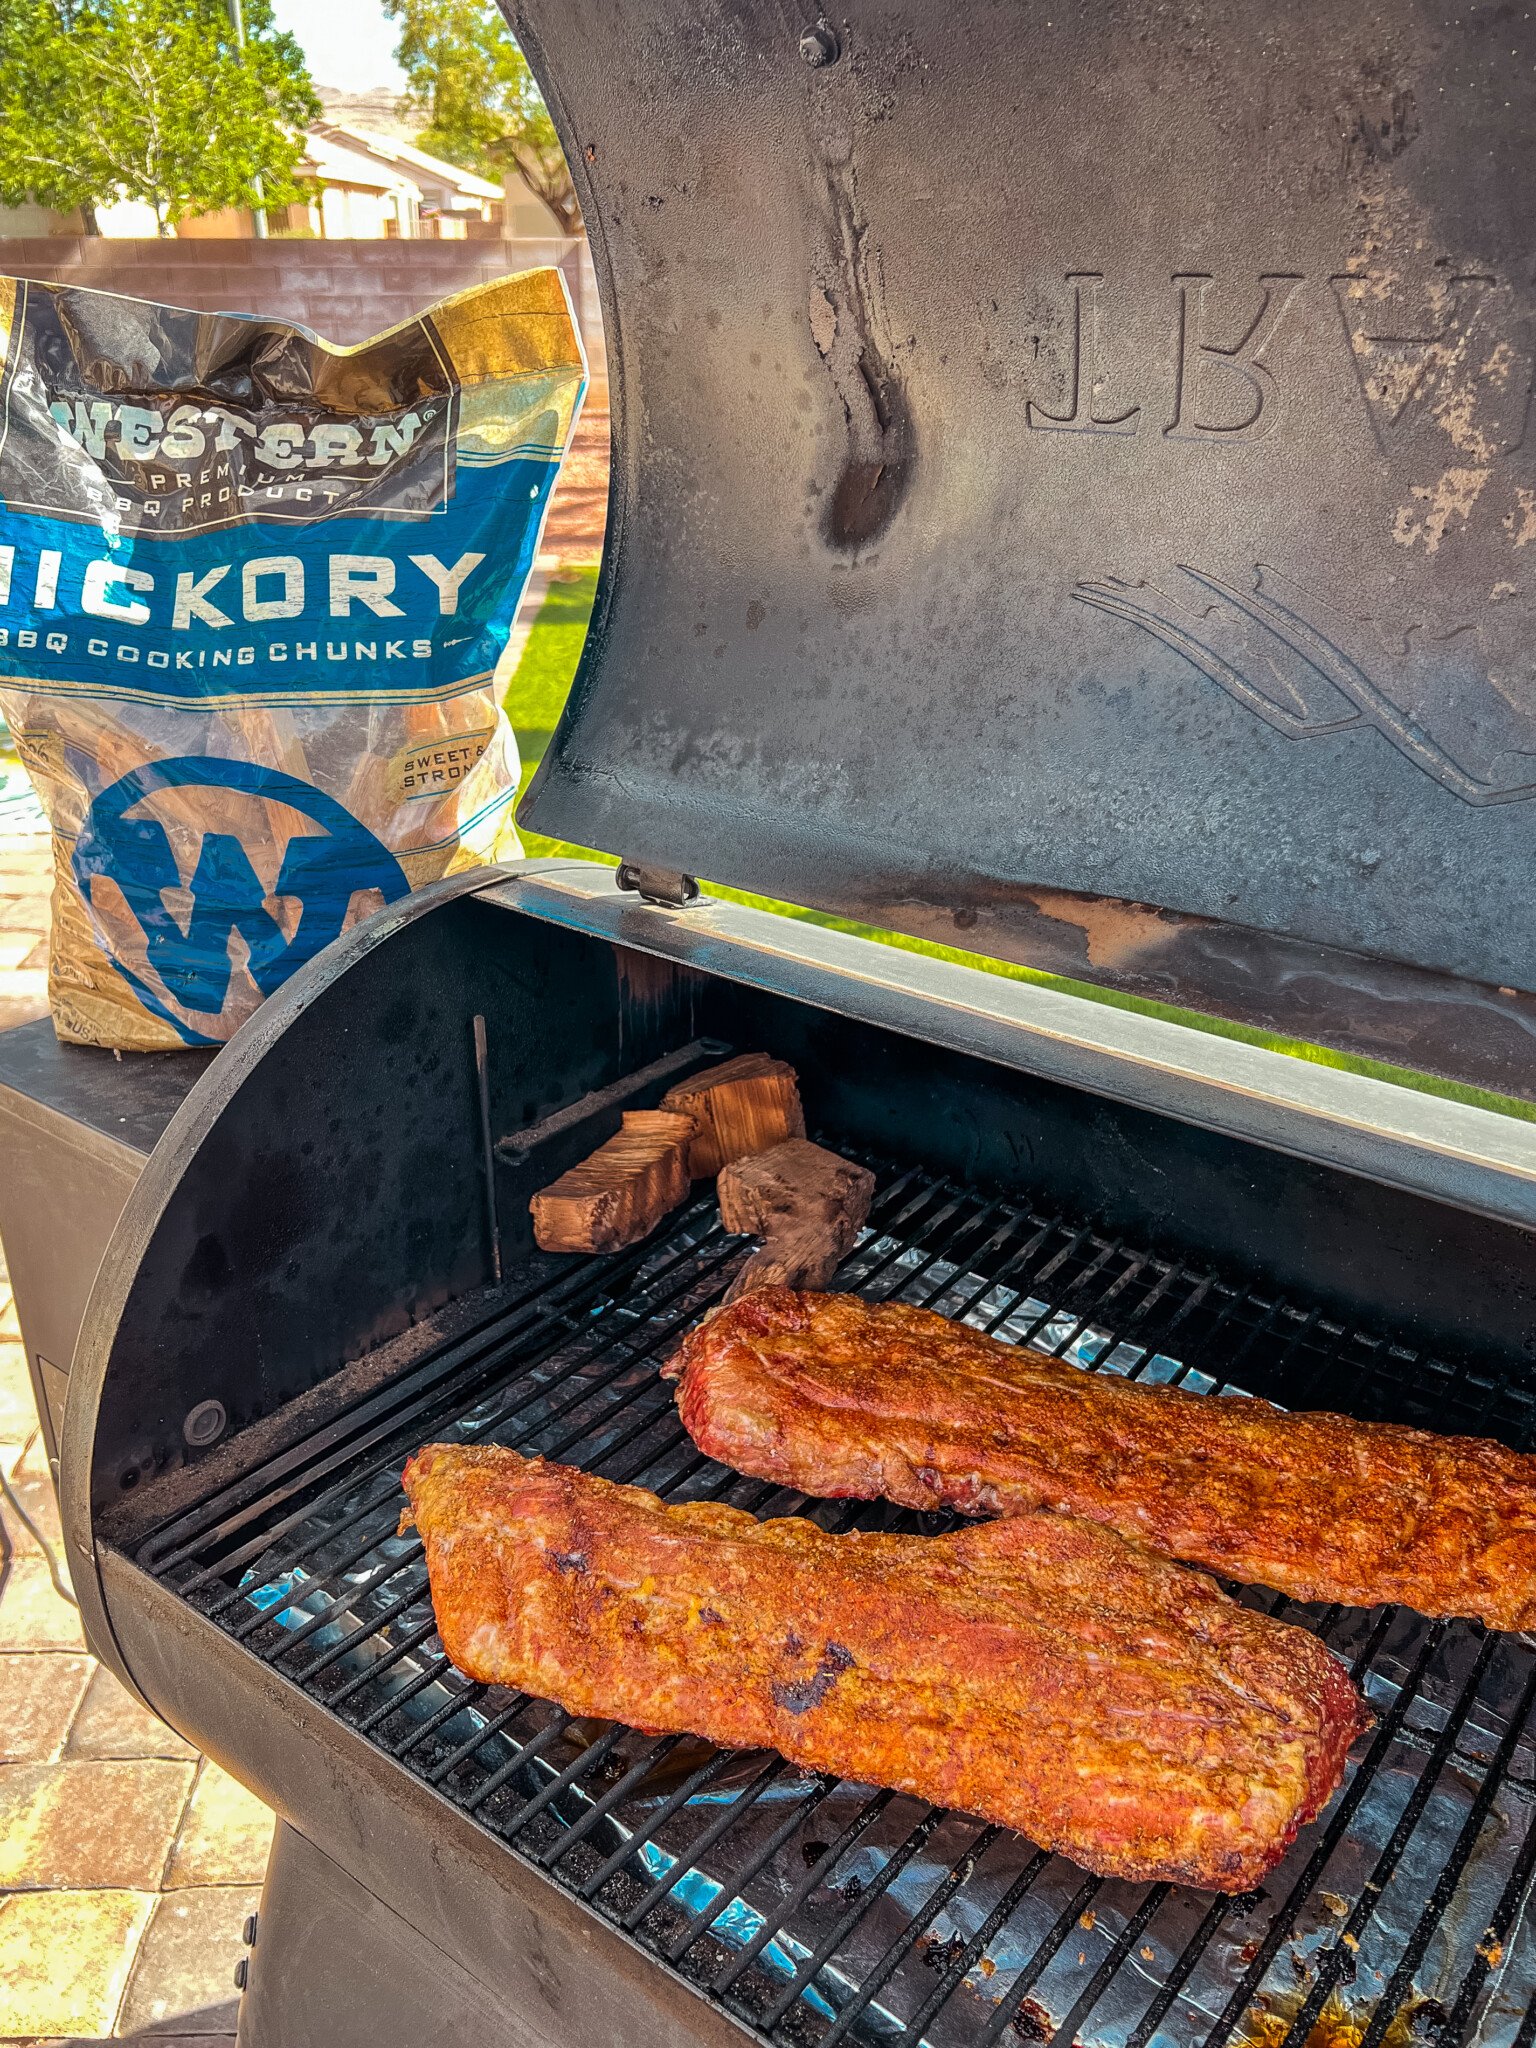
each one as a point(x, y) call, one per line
point(253, 588)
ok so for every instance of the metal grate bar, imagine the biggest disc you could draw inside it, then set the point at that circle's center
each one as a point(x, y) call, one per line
point(819, 1790)
point(1500, 1923)
point(583, 1392)
point(696, 1780)
point(960, 1872)
point(502, 1719)
point(721, 1825)
point(396, 1702)
point(975, 1948)
point(1334, 1958)
point(883, 1879)
point(1099, 1982)
point(533, 1748)
point(1008, 2006)
point(1445, 1887)
point(590, 1760)
point(538, 1306)
point(651, 1760)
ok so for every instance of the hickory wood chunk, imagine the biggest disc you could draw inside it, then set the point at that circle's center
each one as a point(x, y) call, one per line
point(806, 1203)
point(744, 1106)
point(805, 1258)
point(621, 1191)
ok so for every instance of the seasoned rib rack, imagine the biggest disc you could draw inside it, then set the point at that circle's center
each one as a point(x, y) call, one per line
point(819, 1912)
point(885, 1401)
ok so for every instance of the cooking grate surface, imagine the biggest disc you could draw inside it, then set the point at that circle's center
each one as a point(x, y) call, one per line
point(817, 1911)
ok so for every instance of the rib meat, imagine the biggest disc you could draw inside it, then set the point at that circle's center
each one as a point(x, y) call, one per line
point(1040, 1672)
point(838, 1396)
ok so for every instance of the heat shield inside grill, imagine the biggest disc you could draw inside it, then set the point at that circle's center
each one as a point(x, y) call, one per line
point(816, 1911)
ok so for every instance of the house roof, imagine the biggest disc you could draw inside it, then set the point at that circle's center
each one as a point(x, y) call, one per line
point(410, 161)
point(328, 157)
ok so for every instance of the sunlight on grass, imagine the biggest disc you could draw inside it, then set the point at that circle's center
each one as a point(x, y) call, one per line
point(537, 692)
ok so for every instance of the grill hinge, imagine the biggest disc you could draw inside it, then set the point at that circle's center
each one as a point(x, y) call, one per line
point(658, 885)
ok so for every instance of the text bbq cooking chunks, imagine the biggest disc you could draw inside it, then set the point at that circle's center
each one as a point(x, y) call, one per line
point(806, 1203)
point(742, 1107)
point(620, 1192)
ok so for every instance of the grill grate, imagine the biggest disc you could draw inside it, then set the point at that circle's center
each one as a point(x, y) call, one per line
point(819, 1912)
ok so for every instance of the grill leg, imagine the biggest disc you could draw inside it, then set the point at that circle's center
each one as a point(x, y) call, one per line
point(335, 1968)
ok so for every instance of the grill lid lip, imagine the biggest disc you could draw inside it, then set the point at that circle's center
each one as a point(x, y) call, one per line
point(1106, 636)
point(1449, 1150)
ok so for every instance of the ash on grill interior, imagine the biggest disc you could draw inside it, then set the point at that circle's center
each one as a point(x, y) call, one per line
point(817, 1911)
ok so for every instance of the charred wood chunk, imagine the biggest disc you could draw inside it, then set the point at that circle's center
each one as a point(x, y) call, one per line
point(742, 1107)
point(806, 1203)
point(620, 1192)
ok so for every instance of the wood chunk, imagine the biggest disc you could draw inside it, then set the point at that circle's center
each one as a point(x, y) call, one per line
point(804, 1257)
point(743, 1106)
point(621, 1191)
point(806, 1203)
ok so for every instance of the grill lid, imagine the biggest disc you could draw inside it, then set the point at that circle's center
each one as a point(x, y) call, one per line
point(1076, 448)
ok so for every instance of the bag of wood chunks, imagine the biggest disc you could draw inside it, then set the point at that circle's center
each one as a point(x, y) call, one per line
point(253, 588)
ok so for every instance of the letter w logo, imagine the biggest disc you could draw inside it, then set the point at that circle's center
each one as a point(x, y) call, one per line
point(186, 970)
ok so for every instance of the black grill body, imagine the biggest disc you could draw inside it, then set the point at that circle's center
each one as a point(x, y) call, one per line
point(311, 1247)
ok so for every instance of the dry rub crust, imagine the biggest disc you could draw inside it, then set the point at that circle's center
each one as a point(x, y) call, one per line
point(838, 1396)
point(1039, 1672)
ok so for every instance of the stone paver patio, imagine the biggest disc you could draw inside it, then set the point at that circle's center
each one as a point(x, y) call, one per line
point(128, 1863)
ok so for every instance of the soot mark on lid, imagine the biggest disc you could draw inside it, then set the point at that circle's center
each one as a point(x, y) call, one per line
point(845, 313)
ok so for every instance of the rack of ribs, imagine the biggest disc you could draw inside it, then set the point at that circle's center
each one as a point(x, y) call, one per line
point(835, 1396)
point(1041, 1672)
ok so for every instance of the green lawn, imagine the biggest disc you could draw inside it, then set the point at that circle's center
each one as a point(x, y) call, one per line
point(538, 690)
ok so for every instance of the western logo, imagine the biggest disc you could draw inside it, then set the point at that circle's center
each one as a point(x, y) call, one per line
point(181, 965)
point(185, 433)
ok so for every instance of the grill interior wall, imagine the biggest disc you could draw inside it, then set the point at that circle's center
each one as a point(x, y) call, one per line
point(338, 1197)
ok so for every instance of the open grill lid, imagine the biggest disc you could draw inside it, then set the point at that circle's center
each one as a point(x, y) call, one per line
point(1074, 495)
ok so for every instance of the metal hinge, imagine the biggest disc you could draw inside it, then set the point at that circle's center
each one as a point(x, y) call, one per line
point(658, 885)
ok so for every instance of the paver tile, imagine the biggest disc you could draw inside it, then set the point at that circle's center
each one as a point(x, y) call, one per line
point(186, 1961)
point(83, 1825)
point(112, 1724)
point(39, 1692)
point(18, 1410)
point(10, 1322)
point(24, 912)
point(111, 2040)
point(64, 1960)
point(32, 1484)
point(32, 1616)
point(23, 984)
point(224, 1837)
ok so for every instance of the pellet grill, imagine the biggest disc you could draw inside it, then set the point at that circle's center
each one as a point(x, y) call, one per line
point(1071, 499)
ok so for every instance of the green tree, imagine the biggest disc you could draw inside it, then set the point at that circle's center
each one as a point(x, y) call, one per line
point(484, 110)
point(151, 100)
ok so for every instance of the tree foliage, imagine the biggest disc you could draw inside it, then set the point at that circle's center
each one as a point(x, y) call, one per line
point(483, 107)
point(150, 100)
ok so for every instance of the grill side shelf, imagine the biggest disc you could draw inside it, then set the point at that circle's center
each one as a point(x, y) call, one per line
point(813, 1911)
